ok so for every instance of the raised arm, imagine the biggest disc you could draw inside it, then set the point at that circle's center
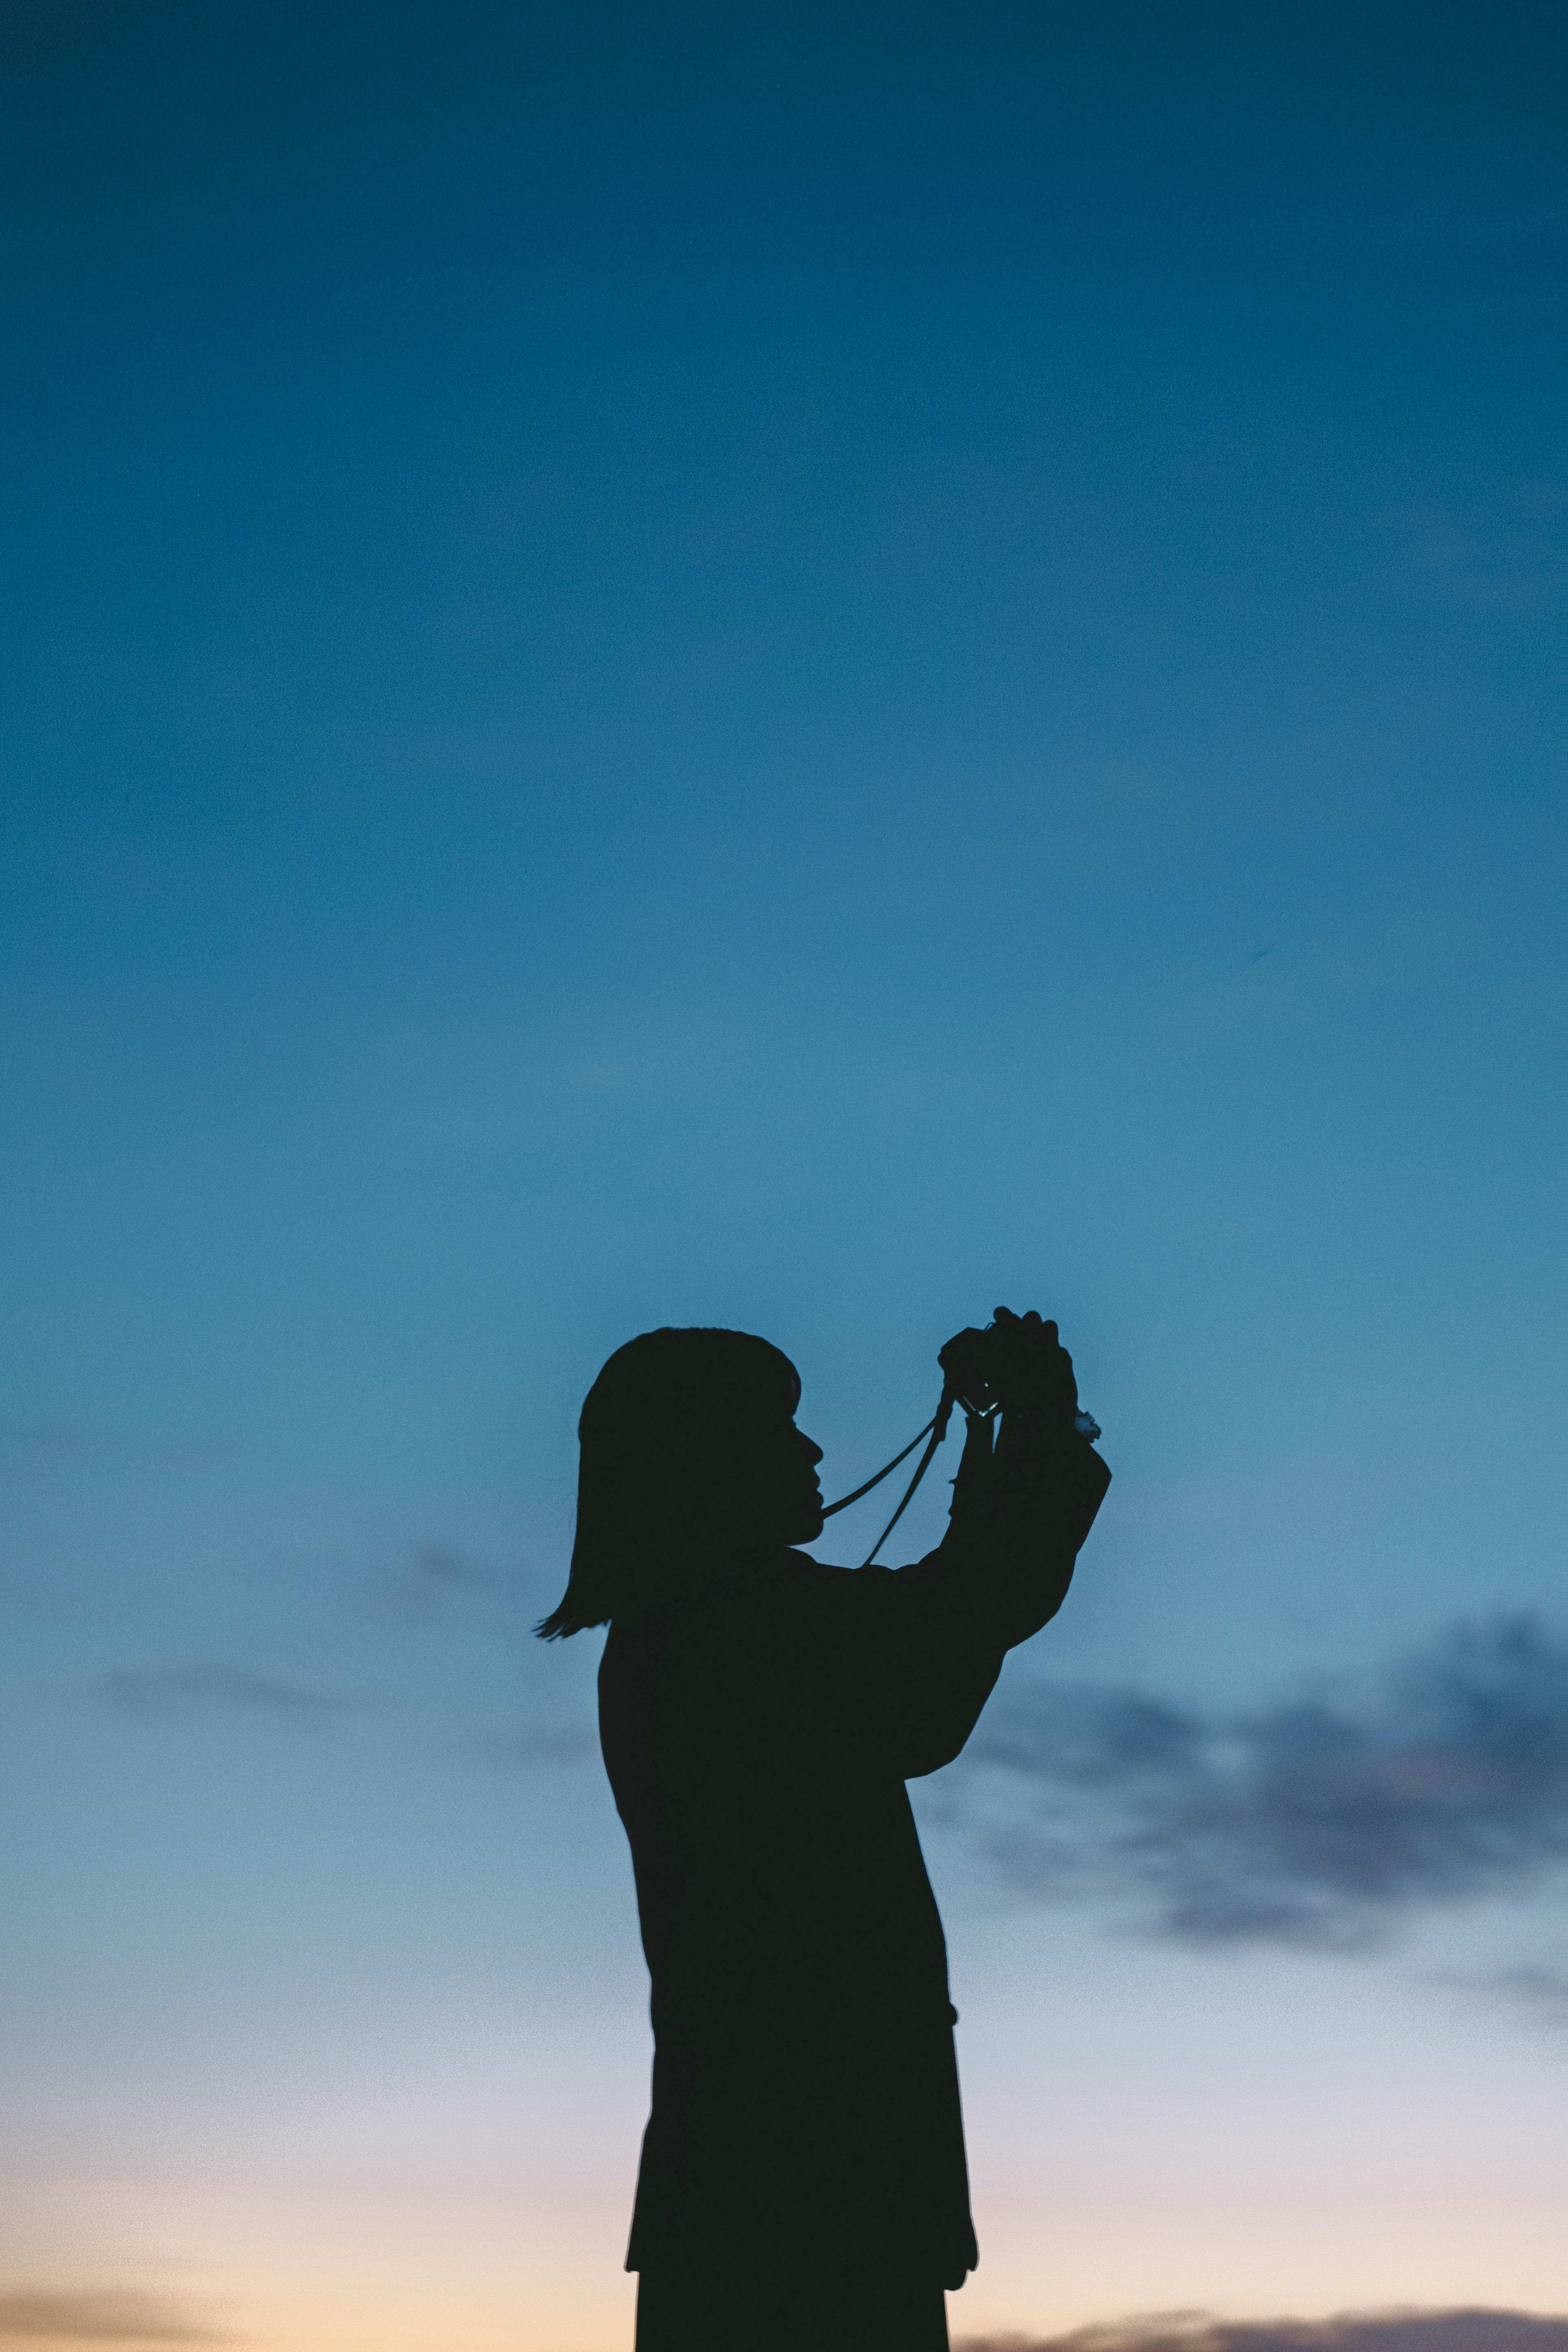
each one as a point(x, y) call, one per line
point(1018, 1525)
point(1020, 1514)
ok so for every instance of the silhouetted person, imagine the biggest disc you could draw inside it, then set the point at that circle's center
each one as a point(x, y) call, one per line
point(802, 2183)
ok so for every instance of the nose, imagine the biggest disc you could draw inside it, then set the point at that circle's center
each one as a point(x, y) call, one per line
point(812, 1447)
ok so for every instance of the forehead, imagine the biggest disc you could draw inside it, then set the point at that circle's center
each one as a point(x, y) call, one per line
point(775, 1386)
point(769, 1384)
point(653, 1379)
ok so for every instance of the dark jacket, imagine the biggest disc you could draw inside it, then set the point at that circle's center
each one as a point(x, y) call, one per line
point(758, 1725)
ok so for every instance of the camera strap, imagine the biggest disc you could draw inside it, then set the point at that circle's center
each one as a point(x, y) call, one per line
point(935, 1429)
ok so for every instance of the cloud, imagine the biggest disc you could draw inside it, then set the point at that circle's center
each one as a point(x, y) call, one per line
point(69, 1436)
point(443, 1566)
point(1541, 1992)
point(1372, 2331)
point(1498, 550)
point(1308, 1823)
point(433, 1580)
point(202, 1694)
point(95, 1438)
point(111, 2315)
point(525, 1751)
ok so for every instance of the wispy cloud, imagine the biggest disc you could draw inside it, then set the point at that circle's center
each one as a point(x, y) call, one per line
point(1541, 1992)
point(83, 1437)
point(1499, 549)
point(208, 1693)
point(63, 1436)
point(1308, 1823)
point(525, 1750)
point(104, 2315)
point(447, 1568)
point(1372, 2331)
point(433, 1579)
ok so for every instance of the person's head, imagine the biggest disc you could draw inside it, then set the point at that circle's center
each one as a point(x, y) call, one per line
point(689, 1445)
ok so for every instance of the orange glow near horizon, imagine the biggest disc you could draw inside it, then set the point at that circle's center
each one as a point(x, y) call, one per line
point(347, 2272)
point(1148, 2133)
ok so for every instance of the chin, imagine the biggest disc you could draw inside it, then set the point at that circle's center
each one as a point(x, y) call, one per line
point(805, 1530)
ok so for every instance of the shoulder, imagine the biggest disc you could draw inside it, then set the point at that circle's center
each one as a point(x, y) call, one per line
point(819, 1594)
point(824, 1582)
point(802, 1563)
point(857, 1581)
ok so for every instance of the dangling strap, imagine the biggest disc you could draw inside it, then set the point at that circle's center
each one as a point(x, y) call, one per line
point(885, 1472)
point(936, 1430)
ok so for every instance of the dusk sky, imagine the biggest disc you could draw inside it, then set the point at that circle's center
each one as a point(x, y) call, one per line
point(804, 668)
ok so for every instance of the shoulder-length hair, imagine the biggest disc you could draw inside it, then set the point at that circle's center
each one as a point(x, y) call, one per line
point(653, 1426)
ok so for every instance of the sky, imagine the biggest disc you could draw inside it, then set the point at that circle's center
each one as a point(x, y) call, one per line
point(805, 669)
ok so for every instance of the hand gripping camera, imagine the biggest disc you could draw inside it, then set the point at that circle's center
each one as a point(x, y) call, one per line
point(969, 1369)
point(969, 1363)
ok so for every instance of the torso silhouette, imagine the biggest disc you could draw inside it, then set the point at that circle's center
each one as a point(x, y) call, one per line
point(758, 1725)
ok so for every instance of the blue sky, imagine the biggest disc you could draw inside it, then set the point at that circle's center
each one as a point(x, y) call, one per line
point(734, 666)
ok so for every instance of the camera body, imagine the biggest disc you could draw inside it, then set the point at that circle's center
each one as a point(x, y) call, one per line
point(970, 1364)
point(967, 1360)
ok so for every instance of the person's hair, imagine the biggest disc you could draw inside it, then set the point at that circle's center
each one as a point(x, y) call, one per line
point(655, 1422)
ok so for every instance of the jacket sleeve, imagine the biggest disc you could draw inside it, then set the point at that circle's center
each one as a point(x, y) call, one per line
point(935, 1631)
point(929, 1716)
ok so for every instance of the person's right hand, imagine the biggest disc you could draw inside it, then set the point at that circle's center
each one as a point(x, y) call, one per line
point(1027, 1365)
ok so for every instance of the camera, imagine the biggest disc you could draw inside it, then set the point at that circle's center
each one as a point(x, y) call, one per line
point(970, 1363)
point(967, 1361)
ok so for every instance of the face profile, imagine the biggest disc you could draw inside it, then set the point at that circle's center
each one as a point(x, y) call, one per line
point(767, 1489)
point(801, 1521)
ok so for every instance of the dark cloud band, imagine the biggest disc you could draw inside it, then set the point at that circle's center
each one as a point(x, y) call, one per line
point(202, 1693)
point(104, 2315)
point(1377, 2331)
point(1310, 1823)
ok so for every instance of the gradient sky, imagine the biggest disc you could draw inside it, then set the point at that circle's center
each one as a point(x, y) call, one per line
point(805, 669)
